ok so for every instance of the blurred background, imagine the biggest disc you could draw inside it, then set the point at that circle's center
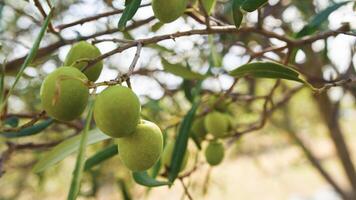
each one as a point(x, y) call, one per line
point(280, 161)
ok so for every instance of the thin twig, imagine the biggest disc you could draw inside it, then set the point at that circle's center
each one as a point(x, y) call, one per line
point(186, 191)
point(44, 15)
point(92, 18)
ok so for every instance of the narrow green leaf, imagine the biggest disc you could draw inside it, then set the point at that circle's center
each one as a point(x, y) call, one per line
point(144, 179)
point(237, 13)
point(79, 165)
point(252, 5)
point(127, 35)
point(215, 58)
point(29, 57)
point(187, 86)
point(209, 5)
point(2, 5)
point(319, 19)
point(29, 131)
point(156, 168)
point(127, 2)
point(12, 121)
point(196, 141)
point(266, 70)
point(156, 26)
point(181, 143)
point(129, 12)
point(180, 70)
point(101, 156)
point(66, 148)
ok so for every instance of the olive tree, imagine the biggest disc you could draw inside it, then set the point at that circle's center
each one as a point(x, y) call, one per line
point(162, 88)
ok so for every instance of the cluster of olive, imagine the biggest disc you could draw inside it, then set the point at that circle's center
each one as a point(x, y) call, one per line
point(218, 124)
point(64, 96)
point(65, 93)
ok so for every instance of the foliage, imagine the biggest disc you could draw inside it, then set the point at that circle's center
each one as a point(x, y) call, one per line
point(247, 69)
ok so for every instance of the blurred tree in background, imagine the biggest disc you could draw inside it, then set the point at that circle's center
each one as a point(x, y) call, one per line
point(280, 72)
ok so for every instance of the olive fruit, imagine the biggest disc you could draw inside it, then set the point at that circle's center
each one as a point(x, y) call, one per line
point(64, 94)
point(141, 150)
point(117, 111)
point(198, 128)
point(168, 10)
point(214, 153)
point(217, 124)
point(167, 156)
point(216, 103)
point(77, 56)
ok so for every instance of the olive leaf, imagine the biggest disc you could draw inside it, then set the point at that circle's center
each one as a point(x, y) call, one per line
point(157, 167)
point(79, 164)
point(156, 26)
point(319, 19)
point(237, 13)
point(30, 57)
point(101, 156)
point(28, 131)
point(12, 121)
point(67, 147)
point(215, 58)
point(144, 179)
point(180, 70)
point(130, 10)
point(252, 5)
point(266, 70)
point(209, 5)
point(187, 87)
point(180, 146)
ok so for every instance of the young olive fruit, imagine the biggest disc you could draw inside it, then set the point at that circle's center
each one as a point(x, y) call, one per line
point(168, 153)
point(64, 94)
point(217, 124)
point(117, 111)
point(77, 56)
point(214, 153)
point(198, 128)
point(142, 149)
point(168, 10)
point(221, 105)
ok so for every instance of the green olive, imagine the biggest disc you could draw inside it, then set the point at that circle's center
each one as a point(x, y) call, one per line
point(198, 128)
point(168, 10)
point(117, 111)
point(217, 124)
point(167, 156)
point(64, 94)
point(214, 153)
point(78, 56)
point(142, 149)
